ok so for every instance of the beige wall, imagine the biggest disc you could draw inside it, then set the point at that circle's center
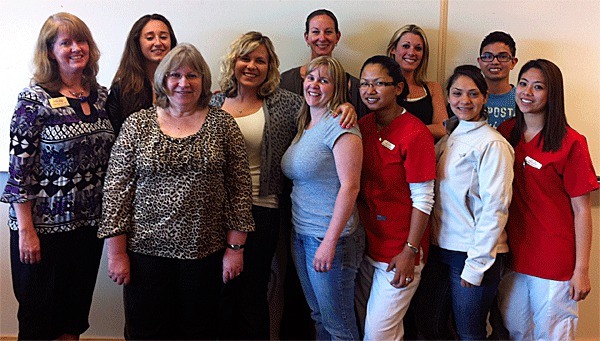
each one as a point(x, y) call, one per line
point(562, 31)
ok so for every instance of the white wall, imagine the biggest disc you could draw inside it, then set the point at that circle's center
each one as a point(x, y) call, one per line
point(210, 25)
point(566, 33)
point(562, 31)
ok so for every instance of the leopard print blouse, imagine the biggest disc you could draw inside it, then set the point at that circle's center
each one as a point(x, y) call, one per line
point(177, 197)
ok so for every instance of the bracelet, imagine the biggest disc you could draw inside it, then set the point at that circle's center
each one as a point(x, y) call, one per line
point(235, 247)
point(412, 248)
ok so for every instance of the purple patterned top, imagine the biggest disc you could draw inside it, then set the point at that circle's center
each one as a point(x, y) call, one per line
point(58, 159)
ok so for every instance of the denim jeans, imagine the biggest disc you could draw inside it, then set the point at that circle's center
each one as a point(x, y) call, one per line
point(330, 294)
point(440, 292)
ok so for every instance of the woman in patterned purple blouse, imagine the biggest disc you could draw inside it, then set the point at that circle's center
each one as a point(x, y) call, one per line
point(60, 145)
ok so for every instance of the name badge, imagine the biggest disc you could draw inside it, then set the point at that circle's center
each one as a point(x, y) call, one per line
point(58, 102)
point(388, 144)
point(533, 163)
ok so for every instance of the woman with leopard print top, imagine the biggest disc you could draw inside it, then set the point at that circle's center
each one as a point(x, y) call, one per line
point(178, 192)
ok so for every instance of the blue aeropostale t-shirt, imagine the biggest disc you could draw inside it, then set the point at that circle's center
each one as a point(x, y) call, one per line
point(310, 164)
point(501, 107)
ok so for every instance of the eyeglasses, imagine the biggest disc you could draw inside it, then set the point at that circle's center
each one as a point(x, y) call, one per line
point(502, 57)
point(176, 76)
point(376, 85)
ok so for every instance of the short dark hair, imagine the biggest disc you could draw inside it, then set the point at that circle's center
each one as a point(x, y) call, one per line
point(318, 12)
point(393, 69)
point(499, 37)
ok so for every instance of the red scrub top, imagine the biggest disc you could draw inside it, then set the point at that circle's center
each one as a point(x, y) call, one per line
point(384, 202)
point(541, 229)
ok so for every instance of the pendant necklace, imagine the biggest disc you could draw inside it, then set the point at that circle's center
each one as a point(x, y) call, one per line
point(79, 95)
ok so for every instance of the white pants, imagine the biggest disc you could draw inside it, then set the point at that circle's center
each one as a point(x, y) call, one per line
point(380, 306)
point(534, 308)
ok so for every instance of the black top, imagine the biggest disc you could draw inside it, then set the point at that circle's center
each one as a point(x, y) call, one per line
point(117, 112)
point(422, 108)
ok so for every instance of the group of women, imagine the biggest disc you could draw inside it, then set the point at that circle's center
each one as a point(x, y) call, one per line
point(191, 195)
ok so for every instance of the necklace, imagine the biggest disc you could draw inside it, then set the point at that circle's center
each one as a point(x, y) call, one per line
point(79, 95)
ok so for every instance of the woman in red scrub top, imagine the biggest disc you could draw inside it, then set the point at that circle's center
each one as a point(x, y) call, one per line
point(550, 224)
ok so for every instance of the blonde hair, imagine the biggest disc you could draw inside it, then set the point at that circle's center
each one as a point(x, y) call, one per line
point(182, 55)
point(243, 46)
point(421, 70)
point(336, 72)
point(46, 71)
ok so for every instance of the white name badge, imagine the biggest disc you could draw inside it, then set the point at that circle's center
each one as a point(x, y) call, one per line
point(388, 144)
point(533, 163)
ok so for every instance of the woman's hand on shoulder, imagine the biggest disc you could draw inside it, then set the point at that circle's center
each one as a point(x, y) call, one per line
point(349, 115)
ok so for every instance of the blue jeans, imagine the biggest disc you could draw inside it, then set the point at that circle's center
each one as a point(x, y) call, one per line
point(330, 294)
point(440, 291)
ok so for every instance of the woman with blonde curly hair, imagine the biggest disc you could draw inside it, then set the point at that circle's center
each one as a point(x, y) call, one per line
point(266, 115)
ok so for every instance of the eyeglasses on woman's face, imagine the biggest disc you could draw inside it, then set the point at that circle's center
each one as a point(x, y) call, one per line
point(176, 76)
point(376, 85)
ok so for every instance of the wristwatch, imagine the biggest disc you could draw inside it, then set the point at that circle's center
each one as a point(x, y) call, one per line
point(235, 247)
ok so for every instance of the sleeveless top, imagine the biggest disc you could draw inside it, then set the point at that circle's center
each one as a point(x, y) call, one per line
point(421, 108)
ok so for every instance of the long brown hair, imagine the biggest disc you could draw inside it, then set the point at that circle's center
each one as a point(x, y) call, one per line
point(46, 72)
point(131, 74)
point(555, 123)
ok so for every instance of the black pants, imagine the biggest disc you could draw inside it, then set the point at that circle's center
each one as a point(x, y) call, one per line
point(172, 298)
point(55, 295)
point(244, 305)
